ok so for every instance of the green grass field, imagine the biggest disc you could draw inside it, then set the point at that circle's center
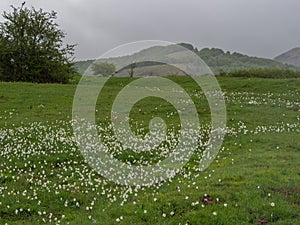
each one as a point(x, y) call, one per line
point(255, 178)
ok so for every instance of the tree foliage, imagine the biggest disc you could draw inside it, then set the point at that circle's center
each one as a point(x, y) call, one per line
point(103, 68)
point(32, 48)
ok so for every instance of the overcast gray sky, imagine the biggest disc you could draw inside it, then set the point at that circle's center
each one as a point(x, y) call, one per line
point(256, 27)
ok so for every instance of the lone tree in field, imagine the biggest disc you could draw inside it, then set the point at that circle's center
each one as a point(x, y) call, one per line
point(131, 69)
point(32, 48)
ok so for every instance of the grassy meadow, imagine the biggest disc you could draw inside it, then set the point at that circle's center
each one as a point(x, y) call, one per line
point(255, 178)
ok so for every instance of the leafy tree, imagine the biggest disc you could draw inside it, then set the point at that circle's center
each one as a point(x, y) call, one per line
point(32, 48)
point(103, 68)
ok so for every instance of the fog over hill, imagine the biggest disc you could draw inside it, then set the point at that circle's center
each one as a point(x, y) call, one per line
point(291, 57)
point(218, 60)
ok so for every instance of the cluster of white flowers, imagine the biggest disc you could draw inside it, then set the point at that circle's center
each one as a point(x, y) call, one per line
point(269, 98)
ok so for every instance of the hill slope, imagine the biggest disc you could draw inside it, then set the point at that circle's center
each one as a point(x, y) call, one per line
point(291, 57)
point(220, 61)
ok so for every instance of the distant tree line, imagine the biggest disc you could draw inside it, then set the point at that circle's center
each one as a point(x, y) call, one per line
point(265, 73)
point(32, 47)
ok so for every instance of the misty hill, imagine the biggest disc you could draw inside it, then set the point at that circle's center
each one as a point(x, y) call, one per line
point(291, 57)
point(217, 59)
point(145, 68)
